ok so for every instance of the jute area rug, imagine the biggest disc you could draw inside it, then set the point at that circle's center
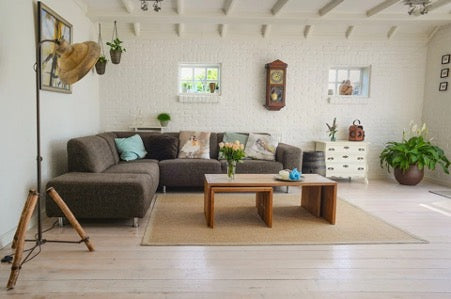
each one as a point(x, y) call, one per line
point(178, 219)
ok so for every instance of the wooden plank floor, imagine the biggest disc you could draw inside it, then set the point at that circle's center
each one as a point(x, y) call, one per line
point(121, 268)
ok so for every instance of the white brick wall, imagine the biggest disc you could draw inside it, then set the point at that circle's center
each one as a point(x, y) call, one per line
point(146, 79)
point(437, 104)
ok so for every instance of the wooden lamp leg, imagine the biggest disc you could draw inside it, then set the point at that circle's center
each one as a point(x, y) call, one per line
point(19, 238)
point(73, 221)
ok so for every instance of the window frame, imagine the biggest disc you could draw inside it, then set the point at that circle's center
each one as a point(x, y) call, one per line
point(364, 81)
point(205, 81)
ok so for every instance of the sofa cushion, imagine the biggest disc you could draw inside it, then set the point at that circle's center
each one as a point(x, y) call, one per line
point(255, 166)
point(186, 172)
point(261, 146)
point(194, 145)
point(162, 147)
point(130, 148)
point(146, 166)
point(109, 138)
point(89, 154)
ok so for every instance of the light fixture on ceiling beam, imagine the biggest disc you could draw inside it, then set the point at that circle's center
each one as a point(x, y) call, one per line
point(156, 5)
point(418, 7)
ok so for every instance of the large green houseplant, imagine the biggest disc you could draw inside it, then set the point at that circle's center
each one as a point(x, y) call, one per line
point(409, 157)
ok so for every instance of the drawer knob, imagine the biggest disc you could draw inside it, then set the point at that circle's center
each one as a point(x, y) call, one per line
point(346, 147)
point(331, 149)
point(360, 168)
point(330, 168)
point(360, 158)
point(345, 166)
point(330, 158)
point(345, 156)
point(361, 149)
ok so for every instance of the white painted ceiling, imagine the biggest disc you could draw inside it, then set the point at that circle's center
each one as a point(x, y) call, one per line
point(345, 19)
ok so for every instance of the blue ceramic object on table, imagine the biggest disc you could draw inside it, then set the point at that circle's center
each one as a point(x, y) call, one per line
point(295, 175)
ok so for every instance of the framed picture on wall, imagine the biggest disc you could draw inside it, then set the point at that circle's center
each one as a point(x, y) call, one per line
point(443, 86)
point(51, 26)
point(445, 58)
point(444, 73)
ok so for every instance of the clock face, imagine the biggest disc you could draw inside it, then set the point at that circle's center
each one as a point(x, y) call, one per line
point(276, 77)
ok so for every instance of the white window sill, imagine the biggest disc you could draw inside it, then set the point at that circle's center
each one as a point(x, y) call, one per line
point(355, 100)
point(199, 97)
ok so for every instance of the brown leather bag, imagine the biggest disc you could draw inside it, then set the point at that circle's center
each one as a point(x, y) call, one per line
point(356, 132)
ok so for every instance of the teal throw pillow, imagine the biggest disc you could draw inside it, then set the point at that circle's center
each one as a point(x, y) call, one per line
point(232, 137)
point(130, 148)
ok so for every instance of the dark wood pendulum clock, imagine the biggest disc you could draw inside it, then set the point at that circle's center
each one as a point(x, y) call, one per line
point(276, 77)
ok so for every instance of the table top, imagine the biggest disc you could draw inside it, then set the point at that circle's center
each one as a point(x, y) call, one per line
point(269, 180)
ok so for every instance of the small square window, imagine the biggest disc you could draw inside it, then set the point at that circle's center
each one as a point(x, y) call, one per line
point(199, 78)
point(349, 81)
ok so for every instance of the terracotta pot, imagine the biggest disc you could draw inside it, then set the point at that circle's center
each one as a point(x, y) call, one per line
point(115, 56)
point(411, 176)
point(100, 67)
point(212, 87)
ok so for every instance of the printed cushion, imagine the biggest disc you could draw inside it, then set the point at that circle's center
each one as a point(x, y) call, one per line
point(232, 137)
point(130, 148)
point(262, 147)
point(194, 145)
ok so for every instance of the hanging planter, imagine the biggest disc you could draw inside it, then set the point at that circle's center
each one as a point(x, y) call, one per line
point(115, 47)
point(102, 61)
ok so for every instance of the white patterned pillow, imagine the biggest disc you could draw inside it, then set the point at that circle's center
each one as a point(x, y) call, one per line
point(194, 145)
point(262, 147)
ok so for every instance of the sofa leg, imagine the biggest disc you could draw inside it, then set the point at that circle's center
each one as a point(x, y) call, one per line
point(135, 222)
point(288, 190)
point(60, 221)
point(164, 189)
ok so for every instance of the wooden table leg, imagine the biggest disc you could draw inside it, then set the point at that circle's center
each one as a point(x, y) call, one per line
point(311, 199)
point(329, 202)
point(211, 208)
point(263, 202)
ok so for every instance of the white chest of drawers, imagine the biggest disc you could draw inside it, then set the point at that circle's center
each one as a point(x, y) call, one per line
point(345, 159)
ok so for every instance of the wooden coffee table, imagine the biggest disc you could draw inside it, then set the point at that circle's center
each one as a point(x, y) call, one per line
point(319, 194)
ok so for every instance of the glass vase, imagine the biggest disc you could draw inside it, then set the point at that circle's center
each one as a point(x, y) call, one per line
point(231, 169)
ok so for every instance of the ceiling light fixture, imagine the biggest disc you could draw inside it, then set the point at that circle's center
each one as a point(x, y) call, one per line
point(156, 5)
point(417, 7)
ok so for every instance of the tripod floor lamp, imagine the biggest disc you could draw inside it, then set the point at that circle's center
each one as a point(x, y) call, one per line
point(74, 62)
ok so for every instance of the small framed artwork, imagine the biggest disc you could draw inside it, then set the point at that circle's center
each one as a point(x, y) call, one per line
point(445, 58)
point(51, 26)
point(443, 86)
point(444, 73)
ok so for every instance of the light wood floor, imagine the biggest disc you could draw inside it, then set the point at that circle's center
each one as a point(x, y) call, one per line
point(120, 267)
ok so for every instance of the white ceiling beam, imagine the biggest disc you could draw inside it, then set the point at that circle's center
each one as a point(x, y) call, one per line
point(328, 7)
point(180, 29)
point(380, 7)
point(391, 32)
point(83, 6)
point(438, 3)
point(307, 30)
point(228, 6)
point(275, 10)
point(223, 29)
point(433, 32)
point(349, 31)
point(288, 19)
point(180, 7)
point(129, 6)
point(266, 30)
point(137, 28)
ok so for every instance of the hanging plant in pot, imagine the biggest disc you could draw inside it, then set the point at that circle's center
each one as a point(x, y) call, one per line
point(101, 65)
point(409, 157)
point(116, 50)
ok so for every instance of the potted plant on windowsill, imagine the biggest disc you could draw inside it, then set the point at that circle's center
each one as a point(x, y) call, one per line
point(101, 65)
point(164, 119)
point(409, 157)
point(116, 50)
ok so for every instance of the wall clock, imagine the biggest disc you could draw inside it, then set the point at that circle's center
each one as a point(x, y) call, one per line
point(276, 75)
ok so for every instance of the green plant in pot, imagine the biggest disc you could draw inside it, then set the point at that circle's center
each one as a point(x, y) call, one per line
point(164, 119)
point(116, 50)
point(409, 157)
point(101, 65)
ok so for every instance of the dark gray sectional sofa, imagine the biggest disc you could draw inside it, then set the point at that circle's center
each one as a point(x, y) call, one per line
point(100, 185)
